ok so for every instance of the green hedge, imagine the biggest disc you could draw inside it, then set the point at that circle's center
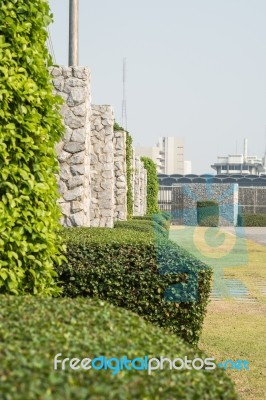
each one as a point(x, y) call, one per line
point(162, 214)
point(152, 185)
point(33, 330)
point(207, 213)
point(142, 226)
point(252, 220)
point(159, 225)
point(161, 218)
point(30, 126)
point(121, 266)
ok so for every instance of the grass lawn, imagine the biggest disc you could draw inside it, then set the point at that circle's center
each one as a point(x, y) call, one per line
point(236, 329)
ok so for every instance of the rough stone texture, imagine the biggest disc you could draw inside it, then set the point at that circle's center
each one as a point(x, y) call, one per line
point(92, 181)
point(142, 189)
point(145, 193)
point(120, 173)
point(136, 192)
point(139, 186)
point(73, 84)
point(102, 167)
point(186, 195)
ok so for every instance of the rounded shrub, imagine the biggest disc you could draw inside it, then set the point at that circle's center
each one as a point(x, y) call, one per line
point(140, 270)
point(30, 126)
point(208, 213)
point(86, 328)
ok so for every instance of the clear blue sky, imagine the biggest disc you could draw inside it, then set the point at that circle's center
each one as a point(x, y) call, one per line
point(195, 69)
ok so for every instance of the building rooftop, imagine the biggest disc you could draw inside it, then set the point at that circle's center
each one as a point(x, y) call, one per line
point(240, 179)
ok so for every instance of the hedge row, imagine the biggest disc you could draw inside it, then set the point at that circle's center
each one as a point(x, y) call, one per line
point(137, 270)
point(162, 218)
point(163, 214)
point(207, 213)
point(156, 226)
point(252, 220)
point(33, 330)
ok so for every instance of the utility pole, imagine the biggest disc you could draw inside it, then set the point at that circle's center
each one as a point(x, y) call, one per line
point(124, 102)
point(73, 57)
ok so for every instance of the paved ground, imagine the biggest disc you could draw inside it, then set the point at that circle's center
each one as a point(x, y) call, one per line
point(257, 234)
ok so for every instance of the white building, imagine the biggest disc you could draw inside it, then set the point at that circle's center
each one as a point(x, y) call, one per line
point(168, 155)
point(187, 167)
point(240, 163)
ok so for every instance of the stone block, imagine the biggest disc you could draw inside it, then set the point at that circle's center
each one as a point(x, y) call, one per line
point(75, 181)
point(74, 194)
point(78, 169)
point(74, 147)
point(77, 158)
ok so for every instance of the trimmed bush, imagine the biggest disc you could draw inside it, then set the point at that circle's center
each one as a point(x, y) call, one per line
point(162, 218)
point(30, 126)
point(133, 269)
point(207, 213)
point(152, 185)
point(85, 328)
point(159, 226)
point(251, 220)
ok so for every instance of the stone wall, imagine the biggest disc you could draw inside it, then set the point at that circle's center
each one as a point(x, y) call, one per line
point(73, 84)
point(92, 158)
point(186, 195)
point(102, 167)
point(139, 187)
point(144, 211)
point(120, 172)
point(136, 192)
point(142, 184)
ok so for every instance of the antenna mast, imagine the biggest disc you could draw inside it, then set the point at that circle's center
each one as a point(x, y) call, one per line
point(124, 102)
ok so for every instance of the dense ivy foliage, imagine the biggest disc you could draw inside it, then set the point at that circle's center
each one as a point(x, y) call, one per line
point(208, 213)
point(117, 127)
point(30, 125)
point(134, 267)
point(152, 185)
point(86, 328)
